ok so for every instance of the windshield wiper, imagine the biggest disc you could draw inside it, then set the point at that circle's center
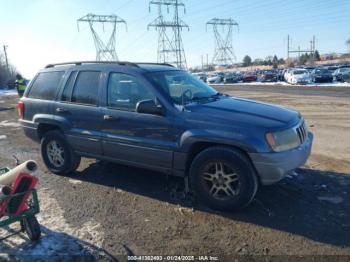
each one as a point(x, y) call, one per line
point(200, 98)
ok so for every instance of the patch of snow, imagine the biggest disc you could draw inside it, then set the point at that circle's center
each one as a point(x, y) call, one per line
point(8, 92)
point(59, 238)
point(74, 181)
point(3, 137)
point(6, 123)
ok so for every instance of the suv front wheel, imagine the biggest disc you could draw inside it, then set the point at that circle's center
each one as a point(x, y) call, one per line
point(57, 155)
point(223, 178)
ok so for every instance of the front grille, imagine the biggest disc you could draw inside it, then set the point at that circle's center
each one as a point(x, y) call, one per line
point(302, 132)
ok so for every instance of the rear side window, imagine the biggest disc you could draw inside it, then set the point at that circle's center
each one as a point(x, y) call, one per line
point(86, 88)
point(45, 85)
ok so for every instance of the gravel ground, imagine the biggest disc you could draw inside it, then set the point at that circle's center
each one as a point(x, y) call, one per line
point(106, 210)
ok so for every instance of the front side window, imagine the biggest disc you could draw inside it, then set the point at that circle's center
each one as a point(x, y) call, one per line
point(125, 91)
point(45, 85)
point(86, 88)
point(181, 86)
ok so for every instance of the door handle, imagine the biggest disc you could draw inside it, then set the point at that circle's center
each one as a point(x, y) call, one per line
point(110, 118)
point(61, 110)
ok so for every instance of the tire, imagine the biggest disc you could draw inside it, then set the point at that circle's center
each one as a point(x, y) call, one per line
point(238, 182)
point(31, 227)
point(68, 161)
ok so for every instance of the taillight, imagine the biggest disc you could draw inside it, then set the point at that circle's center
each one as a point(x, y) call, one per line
point(20, 108)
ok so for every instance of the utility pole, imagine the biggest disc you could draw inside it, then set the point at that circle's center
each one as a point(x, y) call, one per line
point(6, 59)
point(207, 62)
point(223, 53)
point(299, 51)
point(202, 62)
point(104, 51)
point(170, 45)
point(288, 47)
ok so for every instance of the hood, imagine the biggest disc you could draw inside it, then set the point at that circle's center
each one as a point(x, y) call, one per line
point(232, 110)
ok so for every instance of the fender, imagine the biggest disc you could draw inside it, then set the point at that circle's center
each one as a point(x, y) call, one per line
point(59, 121)
point(190, 137)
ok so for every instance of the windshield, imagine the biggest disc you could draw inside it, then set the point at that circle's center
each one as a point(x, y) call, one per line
point(181, 87)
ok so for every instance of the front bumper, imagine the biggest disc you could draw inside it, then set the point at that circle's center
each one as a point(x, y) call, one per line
point(272, 167)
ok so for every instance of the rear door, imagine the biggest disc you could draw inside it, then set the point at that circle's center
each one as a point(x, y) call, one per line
point(79, 106)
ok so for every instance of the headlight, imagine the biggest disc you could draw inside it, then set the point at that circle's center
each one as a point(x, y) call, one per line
point(283, 140)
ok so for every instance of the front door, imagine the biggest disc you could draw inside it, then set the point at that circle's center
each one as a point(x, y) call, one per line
point(133, 138)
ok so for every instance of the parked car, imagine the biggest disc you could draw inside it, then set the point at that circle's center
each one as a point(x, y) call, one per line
point(269, 76)
point(280, 74)
point(332, 69)
point(231, 78)
point(320, 75)
point(338, 74)
point(346, 77)
point(249, 77)
point(215, 78)
point(201, 76)
point(158, 117)
point(299, 76)
point(287, 73)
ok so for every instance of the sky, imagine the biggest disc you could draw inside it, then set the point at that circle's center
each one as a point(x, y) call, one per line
point(39, 32)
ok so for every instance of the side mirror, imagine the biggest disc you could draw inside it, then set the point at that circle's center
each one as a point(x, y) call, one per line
point(149, 107)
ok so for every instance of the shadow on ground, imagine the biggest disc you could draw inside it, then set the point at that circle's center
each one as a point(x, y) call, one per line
point(310, 203)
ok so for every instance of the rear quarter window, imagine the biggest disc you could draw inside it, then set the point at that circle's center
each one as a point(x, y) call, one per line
point(45, 86)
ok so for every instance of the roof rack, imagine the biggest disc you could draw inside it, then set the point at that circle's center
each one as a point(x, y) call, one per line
point(77, 63)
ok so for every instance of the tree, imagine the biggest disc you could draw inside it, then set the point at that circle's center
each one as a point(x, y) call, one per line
point(317, 55)
point(281, 61)
point(7, 74)
point(348, 43)
point(247, 61)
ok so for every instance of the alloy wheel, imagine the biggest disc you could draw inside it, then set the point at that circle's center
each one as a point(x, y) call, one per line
point(55, 153)
point(221, 181)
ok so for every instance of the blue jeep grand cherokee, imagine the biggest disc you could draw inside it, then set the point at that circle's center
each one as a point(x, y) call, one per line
point(158, 117)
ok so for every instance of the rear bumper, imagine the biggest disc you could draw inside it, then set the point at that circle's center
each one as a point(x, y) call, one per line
point(272, 167)
point(30, 129)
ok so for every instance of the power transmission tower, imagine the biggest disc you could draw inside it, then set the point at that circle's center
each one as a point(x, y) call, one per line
point(170, 45)
point(104, 51)
point(223, 54)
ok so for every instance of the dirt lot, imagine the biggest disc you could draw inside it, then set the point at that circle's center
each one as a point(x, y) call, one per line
point(107, 210)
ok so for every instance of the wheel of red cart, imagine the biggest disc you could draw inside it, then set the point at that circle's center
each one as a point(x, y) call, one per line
point(32, 227)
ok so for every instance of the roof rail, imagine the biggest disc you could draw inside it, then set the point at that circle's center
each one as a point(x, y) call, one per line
point(150, 63)
point(77, 63)
point(91, 62)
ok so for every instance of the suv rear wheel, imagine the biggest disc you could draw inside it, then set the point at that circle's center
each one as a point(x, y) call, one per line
point(57, 155)
point(223, 178)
